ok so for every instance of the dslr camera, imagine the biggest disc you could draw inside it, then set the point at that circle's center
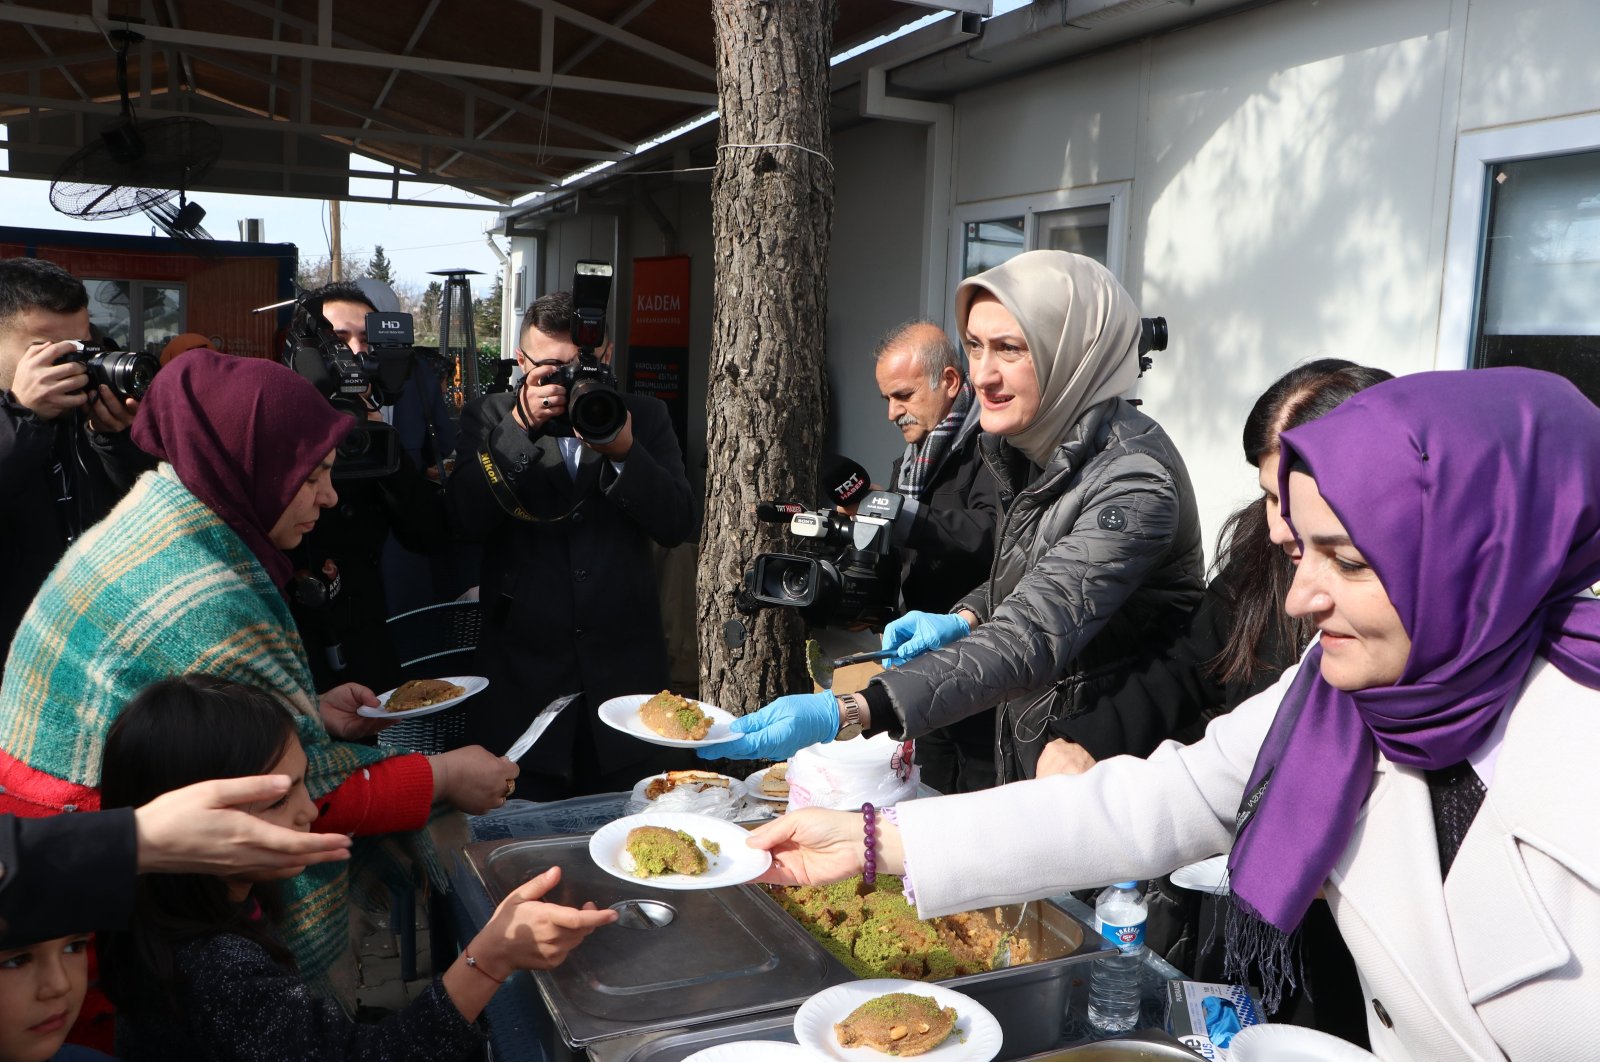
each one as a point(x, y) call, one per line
point(844, 569)
point(357, 384)
point(127, 372)
point(595, 409)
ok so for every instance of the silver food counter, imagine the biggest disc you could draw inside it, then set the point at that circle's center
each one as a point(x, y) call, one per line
point(682, 971)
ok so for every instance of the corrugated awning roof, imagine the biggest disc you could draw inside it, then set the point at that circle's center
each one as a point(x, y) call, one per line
point(498, 97)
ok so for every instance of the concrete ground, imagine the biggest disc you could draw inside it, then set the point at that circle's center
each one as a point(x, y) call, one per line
point(377, 953)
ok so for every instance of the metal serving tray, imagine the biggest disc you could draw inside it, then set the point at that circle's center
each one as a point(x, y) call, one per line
point(674, 958)
point(727, 953)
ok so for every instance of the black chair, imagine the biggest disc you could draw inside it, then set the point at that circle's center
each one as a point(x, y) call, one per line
point(432, 642)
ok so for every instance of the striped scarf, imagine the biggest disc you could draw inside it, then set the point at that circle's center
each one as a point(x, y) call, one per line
point(162, 587)
point(921, 461)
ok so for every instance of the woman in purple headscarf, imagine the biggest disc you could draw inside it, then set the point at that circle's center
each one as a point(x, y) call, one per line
point(1428, 766)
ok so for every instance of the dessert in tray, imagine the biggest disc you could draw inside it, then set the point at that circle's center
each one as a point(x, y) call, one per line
point(880, 935)
point(420, 693)
point(899, 1023)
point(660, 850)
point(675, 717)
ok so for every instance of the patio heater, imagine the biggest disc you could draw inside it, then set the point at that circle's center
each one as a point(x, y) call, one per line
point(457, 344)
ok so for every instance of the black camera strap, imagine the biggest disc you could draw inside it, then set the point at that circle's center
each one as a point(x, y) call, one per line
point(506, 498)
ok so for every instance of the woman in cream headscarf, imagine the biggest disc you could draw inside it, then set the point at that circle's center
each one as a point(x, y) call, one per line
point(1099, 543)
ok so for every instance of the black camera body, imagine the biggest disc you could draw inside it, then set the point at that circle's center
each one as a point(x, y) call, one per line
point(595, 409)
point(1152, 336)
point(357, 384)
point(844, 569)
point(127, 372)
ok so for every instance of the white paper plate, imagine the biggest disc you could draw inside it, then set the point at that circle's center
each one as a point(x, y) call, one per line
point(622, 713)
point(1208, 875)
point(735, 864)
point(976, 1037)
point(753, 785)
point(714, 800)
point(1293, 1043)
point(471, 683)
point(752, 1051)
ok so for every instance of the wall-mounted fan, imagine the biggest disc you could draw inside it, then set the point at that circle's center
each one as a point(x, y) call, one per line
point(135, 165)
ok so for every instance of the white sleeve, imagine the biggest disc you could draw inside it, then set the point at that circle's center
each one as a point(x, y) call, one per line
point(1124, 819)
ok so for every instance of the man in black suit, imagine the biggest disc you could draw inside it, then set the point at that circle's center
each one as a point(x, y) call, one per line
point(948, 523)
point(568, 588)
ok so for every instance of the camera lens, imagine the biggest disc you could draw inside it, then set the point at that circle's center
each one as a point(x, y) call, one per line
point(597, 411)
point(796, 584)
point(356, 442)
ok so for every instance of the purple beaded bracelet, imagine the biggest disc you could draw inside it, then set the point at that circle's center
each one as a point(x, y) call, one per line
point(870, 825)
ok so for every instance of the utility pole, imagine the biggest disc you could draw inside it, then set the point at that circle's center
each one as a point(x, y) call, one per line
point(335, 244)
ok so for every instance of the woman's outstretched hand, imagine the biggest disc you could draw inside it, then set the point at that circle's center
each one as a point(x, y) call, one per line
point(816, 847)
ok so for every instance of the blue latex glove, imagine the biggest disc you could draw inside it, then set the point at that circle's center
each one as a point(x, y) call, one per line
point(916, 633)
point(1222, 1020)
point(781, 729)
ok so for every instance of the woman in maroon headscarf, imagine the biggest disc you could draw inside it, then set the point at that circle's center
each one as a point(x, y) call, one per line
point(186, 576)
point(1429, 764)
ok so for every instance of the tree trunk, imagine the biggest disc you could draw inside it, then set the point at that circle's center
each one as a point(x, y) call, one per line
point(772, 209)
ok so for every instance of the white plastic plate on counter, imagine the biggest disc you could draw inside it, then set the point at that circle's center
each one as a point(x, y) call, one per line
point(622, 713)
point(1208, 875)
point(976, 1037)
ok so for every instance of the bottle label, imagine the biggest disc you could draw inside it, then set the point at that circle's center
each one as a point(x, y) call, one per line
point(1125, 937)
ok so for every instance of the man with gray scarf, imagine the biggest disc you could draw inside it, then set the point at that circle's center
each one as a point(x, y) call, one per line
point(947, 526)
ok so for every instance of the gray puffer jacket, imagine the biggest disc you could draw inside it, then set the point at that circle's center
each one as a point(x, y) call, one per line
point(1097, 553)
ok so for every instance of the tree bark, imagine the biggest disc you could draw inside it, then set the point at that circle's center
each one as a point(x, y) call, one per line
point(771, 214)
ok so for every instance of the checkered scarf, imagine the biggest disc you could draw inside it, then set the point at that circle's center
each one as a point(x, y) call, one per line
point(921, 461)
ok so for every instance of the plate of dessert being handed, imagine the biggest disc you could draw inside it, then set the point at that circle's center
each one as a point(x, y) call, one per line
point(677, 850)
point(667, 719)
point(423, 696)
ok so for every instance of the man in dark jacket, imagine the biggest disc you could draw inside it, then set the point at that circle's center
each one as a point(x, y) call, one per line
point(338, 596)
point(568, 590)
point(65, 456)
point(947, 525)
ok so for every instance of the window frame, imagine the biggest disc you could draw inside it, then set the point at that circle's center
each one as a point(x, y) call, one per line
point(136, 286)
point(1112, 194)
point(1465, 248)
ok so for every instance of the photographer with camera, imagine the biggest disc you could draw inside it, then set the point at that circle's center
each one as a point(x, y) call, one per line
point(337, 593)
point(567, 482)
point(65, 455)
point(1098, 544)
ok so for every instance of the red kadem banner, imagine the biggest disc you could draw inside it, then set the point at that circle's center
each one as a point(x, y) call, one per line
point(658, 335)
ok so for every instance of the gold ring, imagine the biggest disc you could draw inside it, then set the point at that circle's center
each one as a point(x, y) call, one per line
point(511, 787)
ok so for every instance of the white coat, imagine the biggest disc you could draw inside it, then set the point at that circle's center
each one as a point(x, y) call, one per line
point(1500, 962)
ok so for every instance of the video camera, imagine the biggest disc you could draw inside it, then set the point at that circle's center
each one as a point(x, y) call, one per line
point(594, 406)
point(127, 372)
point(357, 383)
point(1152, 336)
point(843, 571)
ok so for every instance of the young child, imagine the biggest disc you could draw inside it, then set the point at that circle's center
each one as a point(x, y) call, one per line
point(41, 989)
point(200, 974)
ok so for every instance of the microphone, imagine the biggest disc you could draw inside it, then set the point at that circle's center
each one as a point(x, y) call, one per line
point(846, 482)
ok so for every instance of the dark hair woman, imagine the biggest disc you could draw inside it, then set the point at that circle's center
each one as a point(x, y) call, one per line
point(201, 973)
point(1237, 642)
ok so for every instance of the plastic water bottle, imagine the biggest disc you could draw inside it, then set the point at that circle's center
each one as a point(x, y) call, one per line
point(1119, 915)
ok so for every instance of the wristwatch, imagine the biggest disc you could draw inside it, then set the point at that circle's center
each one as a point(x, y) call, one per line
point(852, 703)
